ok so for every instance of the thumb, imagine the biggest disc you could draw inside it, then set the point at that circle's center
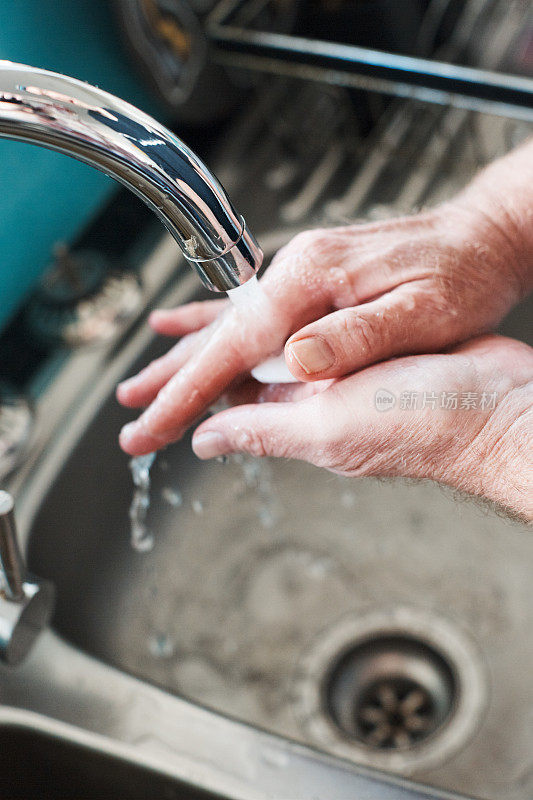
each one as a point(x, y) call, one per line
point(352, 338)
point(286, 430)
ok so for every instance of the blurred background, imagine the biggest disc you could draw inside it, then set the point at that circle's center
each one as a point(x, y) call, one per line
point(155, 55)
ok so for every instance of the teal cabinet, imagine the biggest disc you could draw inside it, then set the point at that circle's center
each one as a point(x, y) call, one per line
point(44, 196)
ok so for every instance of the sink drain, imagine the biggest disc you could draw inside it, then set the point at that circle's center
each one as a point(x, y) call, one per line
point(390, 692)
point(398, 690)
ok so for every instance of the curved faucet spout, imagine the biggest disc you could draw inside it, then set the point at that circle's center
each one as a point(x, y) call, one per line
point(107, 133)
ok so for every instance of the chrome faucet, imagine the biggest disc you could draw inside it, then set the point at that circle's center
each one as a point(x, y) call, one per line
point(79, 120)
point(102, 130)
point(26, 603)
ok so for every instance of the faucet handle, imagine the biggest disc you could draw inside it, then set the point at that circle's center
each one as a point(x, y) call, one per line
point(26, 603)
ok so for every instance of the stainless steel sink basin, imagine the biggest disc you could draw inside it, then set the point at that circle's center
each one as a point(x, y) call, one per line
point(386, 623)
point(264, 574)
point(76, 698)
point(46, 767)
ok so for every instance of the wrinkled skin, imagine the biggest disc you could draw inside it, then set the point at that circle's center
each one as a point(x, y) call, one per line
point(338, 427)
point(340, 300)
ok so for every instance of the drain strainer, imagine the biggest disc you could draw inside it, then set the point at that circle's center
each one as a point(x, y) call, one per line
point(398, 690)
point(390, 692)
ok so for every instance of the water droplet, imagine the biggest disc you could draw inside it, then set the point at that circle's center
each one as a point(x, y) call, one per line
point(161, 646)
point(172, 496)
point(266, 517)
point(251, 471)
point(142, 539)
point(239, 488)
point(319, 568)
point(140, 469)
point(197, 506)
point(348, 499)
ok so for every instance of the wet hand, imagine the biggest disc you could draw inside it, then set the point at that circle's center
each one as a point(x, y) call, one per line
point(338, 300)
point(463, 418)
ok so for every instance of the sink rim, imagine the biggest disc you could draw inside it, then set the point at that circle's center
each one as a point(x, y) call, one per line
point(138, 723)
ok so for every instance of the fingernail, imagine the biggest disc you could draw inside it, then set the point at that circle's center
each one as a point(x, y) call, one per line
point(313, 354)
point(210, 444)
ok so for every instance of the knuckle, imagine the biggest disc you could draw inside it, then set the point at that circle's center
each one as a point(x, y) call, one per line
point(362, 331)
point(235, 349)
point(199, 397)
point(310, 245)
point(349, 457)
point(180, 347)
point(441, 295)
point(252, 442)
point(303, 240)
point(237, 346)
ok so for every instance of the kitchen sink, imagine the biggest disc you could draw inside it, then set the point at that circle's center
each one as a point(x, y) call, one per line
point(283, 612)
point(266, 575)
point(93, 711)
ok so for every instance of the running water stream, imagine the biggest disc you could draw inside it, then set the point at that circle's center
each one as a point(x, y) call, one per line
point(274, 369)
point(142, 538)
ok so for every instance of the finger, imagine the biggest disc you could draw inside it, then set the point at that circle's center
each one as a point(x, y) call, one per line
point(237, 341)
point(345, 430)
point(321, 428)
point(288, 430)
point(185, 319)
point(137, 442)
point(340, 428)
point(232, 348)
point(140, 390)
point(402, 321)
point(250, 391)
